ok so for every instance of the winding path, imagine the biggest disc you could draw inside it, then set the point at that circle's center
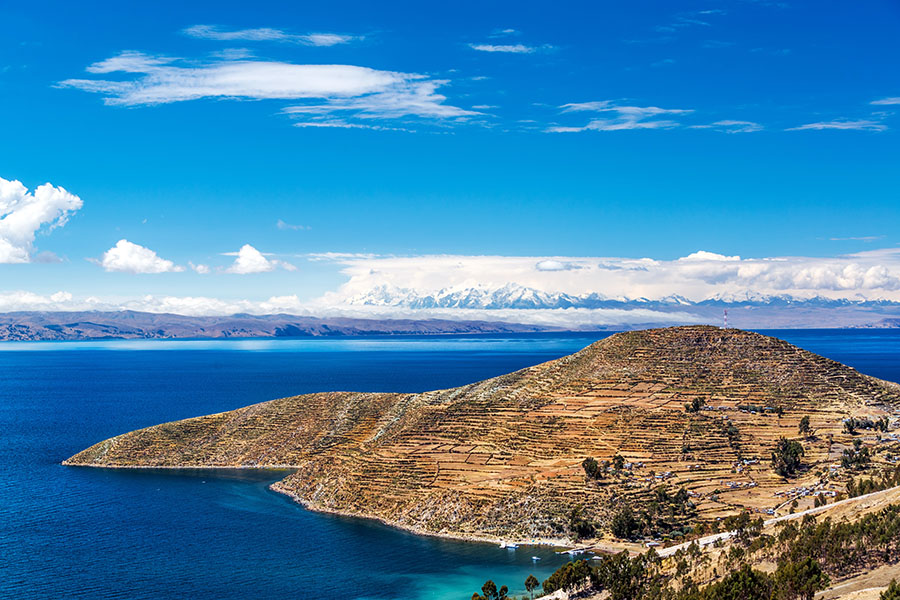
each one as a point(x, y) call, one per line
point(711, 539)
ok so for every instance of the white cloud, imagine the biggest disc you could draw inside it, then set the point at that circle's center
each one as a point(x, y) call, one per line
point(732, 126)
point(886, 101)
point(698, 276)
point(625, 117)
point(857, 238)
point(701, 255)
point(287, 226)
point(510, 48)
point(404, 97)
point(183, 305)
point(24, 213)
point(329, 39)
point(290, 304)
point(201, 269)
point(23, 300)
point(126, 257)
point(861, 125)
point(328, 89)
point(250, 260)
point(555, 265)
point(266, 34)
point(328, 123)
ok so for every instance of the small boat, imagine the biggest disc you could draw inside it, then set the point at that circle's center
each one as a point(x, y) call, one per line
point(535, 558)
point(512, 546)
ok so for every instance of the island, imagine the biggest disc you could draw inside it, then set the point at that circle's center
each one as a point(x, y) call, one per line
point(698, 421)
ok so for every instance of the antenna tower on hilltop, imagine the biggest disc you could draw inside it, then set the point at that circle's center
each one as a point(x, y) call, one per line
point(725, 317)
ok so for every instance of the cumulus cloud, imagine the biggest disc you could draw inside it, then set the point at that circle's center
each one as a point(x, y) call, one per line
point(376, 286)
point(555, 265)
point(127, 257)
point(250, 260)
point(266, 34)
point(859, 125)
point(290, 304)
point(21, 300)
point(623, 117)
point(703, 255)
point(325, 90)
point(23, 213)
point(24, 300)
point(200, 268)
point(698, 276)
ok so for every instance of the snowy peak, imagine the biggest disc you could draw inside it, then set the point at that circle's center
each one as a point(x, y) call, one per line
point(514, 296)
point(478, 297)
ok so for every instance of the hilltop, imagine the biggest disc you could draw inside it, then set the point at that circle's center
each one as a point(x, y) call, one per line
point(683, 419)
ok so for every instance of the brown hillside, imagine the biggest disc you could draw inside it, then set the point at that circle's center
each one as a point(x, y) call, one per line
point(502, 458)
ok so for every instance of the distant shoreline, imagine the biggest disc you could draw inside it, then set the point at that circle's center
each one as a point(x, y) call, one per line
point(127, 325)
point(81, 326)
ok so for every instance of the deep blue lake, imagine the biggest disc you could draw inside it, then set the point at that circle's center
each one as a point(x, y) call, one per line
point(93, 533)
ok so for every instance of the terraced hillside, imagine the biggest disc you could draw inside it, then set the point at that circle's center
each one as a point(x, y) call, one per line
point(502, 458)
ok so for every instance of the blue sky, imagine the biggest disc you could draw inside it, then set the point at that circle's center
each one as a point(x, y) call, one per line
point(627, 130)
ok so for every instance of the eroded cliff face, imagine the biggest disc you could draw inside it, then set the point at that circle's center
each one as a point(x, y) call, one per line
point(501, 458)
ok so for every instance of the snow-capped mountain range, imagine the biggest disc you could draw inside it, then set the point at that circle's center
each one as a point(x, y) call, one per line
point(513, 296)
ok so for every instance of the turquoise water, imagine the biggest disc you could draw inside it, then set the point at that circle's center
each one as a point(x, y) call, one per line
point(91, 533)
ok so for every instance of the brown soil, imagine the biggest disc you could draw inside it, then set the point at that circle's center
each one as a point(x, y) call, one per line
point(501, 459)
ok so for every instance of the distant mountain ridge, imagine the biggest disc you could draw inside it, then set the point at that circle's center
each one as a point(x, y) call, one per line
point(34, 326)
point(513, 296)
point(509, 308)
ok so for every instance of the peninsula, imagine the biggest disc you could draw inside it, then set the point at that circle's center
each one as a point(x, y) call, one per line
point(698, 422)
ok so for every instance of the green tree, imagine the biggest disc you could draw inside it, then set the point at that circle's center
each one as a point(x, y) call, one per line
point(579, 525)
point(694, 405)
point(567, 576)
point(804, 427)
point(892, 592)
point(745, 584)
point(489, 591)
point(531, 584)
point(624, 524)
point(623, 577)
point(619, 462)
point(801, 579)
point(590, 467)
point(787, 456)
point(856, 457)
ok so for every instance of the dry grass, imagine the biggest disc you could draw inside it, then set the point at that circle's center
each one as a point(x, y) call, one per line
point(502, 458)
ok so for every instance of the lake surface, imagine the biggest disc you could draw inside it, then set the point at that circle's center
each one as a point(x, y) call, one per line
point(97, 533)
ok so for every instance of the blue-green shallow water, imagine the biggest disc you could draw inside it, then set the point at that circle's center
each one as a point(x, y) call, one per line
point(90, 533)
